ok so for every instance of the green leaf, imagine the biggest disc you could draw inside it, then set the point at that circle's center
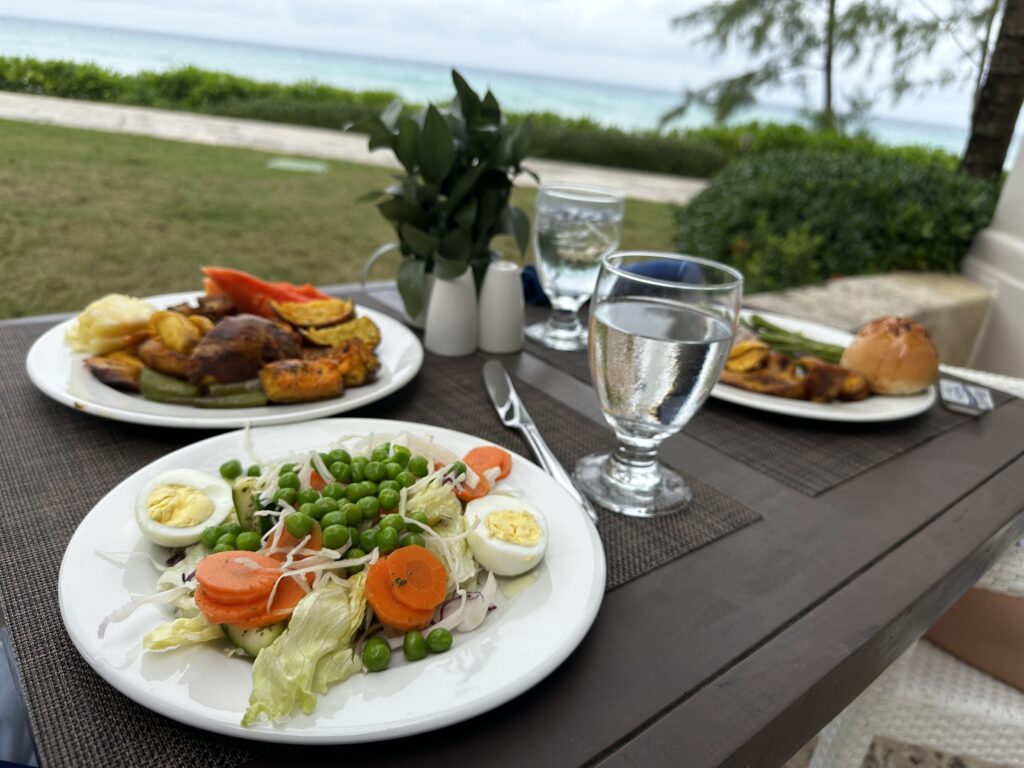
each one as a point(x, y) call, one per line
point(521, 142)
point(422, 243)
point(393, 111)
point(465, 216)
point(380, 134)
point(411, 284)
point(405, 144)
point(371, 197)
point(449, 269)
point(490, 109)
point(435, 147)
point(391, 209)
point(456, 245)
point(469, 102)
point(463, 186)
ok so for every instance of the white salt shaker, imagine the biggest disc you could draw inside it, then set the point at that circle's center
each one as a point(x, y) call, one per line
point(501, 309)
point(451, 319)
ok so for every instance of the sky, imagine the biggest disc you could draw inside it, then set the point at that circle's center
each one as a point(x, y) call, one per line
point(626, 42)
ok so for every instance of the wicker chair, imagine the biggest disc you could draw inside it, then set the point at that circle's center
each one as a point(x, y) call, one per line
point(930, 698)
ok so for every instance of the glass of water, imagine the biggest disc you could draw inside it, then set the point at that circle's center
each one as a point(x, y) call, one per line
point(574, 227)
point(661, 326)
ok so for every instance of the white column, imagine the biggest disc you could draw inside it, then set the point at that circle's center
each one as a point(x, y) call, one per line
point(996, 261)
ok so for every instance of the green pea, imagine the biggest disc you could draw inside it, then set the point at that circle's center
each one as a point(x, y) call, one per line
point(387, 540)
point(353, 534)
point(414, 646)
point(393, 521)
point(384, 485)
point(308, 496)
point(326, 459)
point(354, 554)
point(368, 539)
point(421, 518)
point(376, 654)
point(287, 495)
point(458, 468)
point(222, 548)
point(400, 455)
point(371, 487)
point(286, 468)
point(388, 498)
point(418, 466)
point(210, 536)
point(357, 472)
point(248, 540)
point(412, 539)
point(229, 470)
point(333, 491)
point(359, 461)
point(233, 528)
point(298, 525)
point(311, 510)
point(353, 515)
point(339, 454)
point(355, 492)
point(368, 507)
point(335, 536)
point(439, 640)
point(342, 472)
point(405, 479)
point(326, 504)
point(254, 471)
point(332, 518)
point(229, 540)
point(288, 480)
point(380, 453)
point(375, 471)
point(392, 470)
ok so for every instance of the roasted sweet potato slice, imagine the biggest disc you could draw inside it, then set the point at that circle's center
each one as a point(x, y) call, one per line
point(362, 328)
point(237, 348)
point(115, 372)
point(163, 359)
point(314, 314)
point(295, 381)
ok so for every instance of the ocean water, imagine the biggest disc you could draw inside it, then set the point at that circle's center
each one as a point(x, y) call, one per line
point(631, 108)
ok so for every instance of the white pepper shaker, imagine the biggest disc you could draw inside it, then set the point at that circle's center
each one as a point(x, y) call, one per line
point(501, 309)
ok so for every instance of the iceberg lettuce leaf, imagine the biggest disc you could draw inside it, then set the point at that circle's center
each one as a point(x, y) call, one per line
point(464, 567)
point(313, 652)
point(185, 631)
point(437, 502)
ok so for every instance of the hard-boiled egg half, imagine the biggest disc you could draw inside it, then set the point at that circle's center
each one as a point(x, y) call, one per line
point(175, 507)
point(508, 536)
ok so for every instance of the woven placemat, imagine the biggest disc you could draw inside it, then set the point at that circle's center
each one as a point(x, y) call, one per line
point(808, 456)
point(57, 464)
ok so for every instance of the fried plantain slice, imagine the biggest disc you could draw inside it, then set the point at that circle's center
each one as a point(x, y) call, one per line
point(314, 314)
point(362, 328)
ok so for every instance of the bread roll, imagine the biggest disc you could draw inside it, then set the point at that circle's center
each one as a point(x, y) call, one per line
point(895, 355)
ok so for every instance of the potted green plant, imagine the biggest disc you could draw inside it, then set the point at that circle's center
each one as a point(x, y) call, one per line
point(460, 163)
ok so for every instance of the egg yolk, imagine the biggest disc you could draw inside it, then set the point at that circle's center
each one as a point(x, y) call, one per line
point(179, 506)
point(513, 527)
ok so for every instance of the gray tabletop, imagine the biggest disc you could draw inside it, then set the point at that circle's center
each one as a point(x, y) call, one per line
point(734, 653)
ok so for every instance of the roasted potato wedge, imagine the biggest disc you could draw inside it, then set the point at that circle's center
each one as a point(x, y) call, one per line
point(767, 382)
point(314, 314)
point(296, 381)
point(854, 388)
point(203, 323)
point(115, 371)
point(175, 331)
point(237, 348)
point(163, 359)
point(747, 356)
point(362, 328)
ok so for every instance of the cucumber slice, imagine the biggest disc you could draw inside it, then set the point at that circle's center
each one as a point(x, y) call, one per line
point(252, 641)
point(246, 498)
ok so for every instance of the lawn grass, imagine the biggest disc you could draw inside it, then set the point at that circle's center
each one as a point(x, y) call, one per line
point(84, 213)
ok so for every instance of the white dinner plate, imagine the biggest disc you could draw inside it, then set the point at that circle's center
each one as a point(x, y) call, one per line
point(60, 373)
point(874, 408)
point(520, 642)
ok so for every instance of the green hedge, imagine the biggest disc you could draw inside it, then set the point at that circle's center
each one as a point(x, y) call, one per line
point(792, 217)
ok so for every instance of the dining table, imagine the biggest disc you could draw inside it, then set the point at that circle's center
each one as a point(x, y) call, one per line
point(813, 555)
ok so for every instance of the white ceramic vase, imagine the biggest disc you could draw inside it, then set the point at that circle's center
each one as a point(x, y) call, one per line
point(501, 295)
point(450, 325)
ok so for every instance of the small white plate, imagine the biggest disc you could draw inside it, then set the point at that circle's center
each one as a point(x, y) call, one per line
point(874, 408)
point(518, 645)
point(60, 373)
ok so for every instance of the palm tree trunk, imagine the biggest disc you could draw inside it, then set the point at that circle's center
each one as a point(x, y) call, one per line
point(830, 33)
point(1002, 94)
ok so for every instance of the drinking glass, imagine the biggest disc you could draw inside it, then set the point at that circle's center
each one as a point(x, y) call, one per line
point(661, 326)
point(574, 227)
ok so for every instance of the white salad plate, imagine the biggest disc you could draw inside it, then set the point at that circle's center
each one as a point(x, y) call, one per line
point(520, 643)
point(60, 373)
point(874, 408)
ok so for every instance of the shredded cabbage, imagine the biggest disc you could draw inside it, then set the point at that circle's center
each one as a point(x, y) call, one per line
point(311, 654)
point(178, 573)
point(438, 502)
point(459, 560)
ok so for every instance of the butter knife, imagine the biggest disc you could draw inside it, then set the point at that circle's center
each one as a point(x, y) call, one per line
point(513, 415)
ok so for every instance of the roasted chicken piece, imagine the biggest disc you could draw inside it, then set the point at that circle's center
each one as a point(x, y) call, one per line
point(361, 365)
point(296, 381)
point(237, 348)
point(163, 359)
point(213, 308)
point(854, 388)
point(120, 370)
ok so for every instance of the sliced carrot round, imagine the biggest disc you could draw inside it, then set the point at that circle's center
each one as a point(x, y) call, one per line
point(283, 539)
point(487, 456)
point(237, 577)
point(386, 607)
point(418, 579)
point(254, 614)
point(483, 487)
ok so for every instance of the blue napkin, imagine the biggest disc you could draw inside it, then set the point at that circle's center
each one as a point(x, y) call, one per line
point(532, 292)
